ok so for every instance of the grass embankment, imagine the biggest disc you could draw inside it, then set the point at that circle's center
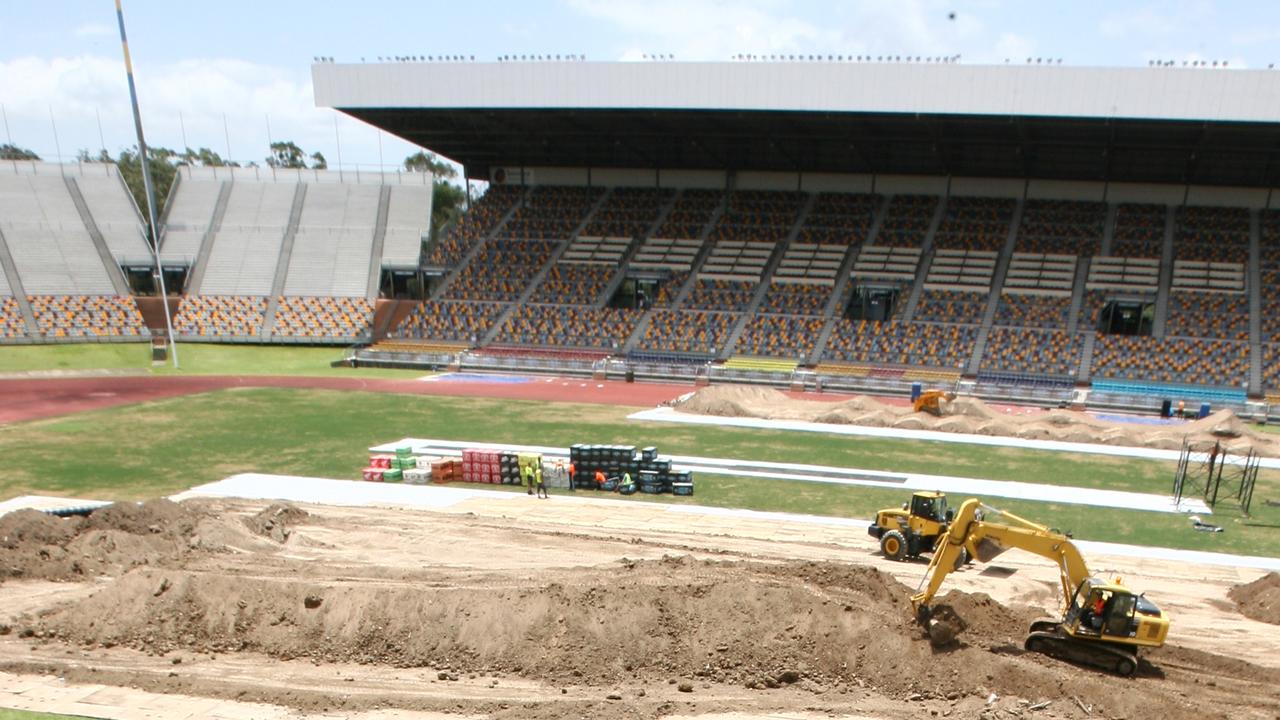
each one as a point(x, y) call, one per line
point(194, 359)
point(6, 714)
point(166, 446)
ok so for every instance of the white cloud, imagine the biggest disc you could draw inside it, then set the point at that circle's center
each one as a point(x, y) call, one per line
point(194, 93)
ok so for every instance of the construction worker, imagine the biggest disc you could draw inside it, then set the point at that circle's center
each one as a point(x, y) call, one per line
point(572, 473)
point(600, 478)
point(626, 478)
point(537, 481)
point(528, 477)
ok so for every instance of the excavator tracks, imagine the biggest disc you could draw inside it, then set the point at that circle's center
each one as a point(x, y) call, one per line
point(1048, 638)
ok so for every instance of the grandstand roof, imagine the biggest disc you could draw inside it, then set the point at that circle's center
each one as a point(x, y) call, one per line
point(1163, 125)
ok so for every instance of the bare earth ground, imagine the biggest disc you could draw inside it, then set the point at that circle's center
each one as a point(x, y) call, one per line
point(577, 608)
point(973, 416)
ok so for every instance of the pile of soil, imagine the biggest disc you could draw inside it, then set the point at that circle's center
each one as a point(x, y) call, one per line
point(1260, 599)
point(276, 520)
point(971, 415)
point(820, 625)
point(111, 540)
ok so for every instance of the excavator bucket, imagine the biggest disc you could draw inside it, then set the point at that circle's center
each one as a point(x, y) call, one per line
point(943, 624)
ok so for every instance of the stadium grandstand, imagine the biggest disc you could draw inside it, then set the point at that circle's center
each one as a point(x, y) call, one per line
point(1038, 232)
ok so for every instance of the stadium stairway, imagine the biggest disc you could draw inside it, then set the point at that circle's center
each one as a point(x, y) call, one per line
point(704, 251)
point(766, 276)
point(152, 311)
point(196, 276)
point(1077, 294)
point(466, 259)
point(388, 314)
point(612, 286)
point(1086, 358)
point(1255, 303)
point(1108, 229)
point(993, 294)
point(15, 286)
point(282, 262)
point(379, 239)
point(926, 259)
point(501, 321)
point(1166, 274)
point(642, 325)
point(114, 272)
point(835, 306)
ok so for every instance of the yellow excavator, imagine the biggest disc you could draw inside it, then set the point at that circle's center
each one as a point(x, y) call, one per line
point(1103, 624)
point(930, 401)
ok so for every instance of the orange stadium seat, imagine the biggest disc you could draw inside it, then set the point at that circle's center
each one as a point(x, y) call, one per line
point(322, 317)
point(220, 315)
point(87, 316)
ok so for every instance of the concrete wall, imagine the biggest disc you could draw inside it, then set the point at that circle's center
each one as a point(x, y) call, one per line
point(987, 187)
point(1065, 190)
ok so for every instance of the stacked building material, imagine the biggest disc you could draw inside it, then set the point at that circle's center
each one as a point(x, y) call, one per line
point(650, 473)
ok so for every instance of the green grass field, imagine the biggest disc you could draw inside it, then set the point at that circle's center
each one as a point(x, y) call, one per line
point(6, 714)
point(194, 359)
point(160, 447)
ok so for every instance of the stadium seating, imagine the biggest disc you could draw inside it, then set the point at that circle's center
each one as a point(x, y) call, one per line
point(690, 215)
point(1270, 291)
point(1139, 231)
point(906, 221)
point(322, 317)
point(220, 315)
point(450, 320)
point(333, 245)
point(1040, 352)
point(87, 316)
point(951, 306)
point(628, 212)
point(780, 336)
point(187, 219)
point(975, 223)
point(569, 326)
point(12, 325)
point(1176, 360)
point(734, 295)
point(688, 331)
point(407, 224)
point(113, 211)
point(474, 226)
point(246, 248)
point(1208, 315)
point(572, 284)
point(669, 289)
point(1033, 311)
point(839, 219)
point(1211, 234)
point(758, 216)
point(795, 299)
point(1271, 367)
point(810, 263)
point(1062, 227)
point(500, 271)
point(51, 248)
point(551, 212)
point(894, 343)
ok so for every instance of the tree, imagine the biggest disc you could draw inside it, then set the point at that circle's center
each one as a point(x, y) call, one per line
point(13, 152)
point(318, 162)
point(163, 165)
point(423, 161)
point(204, 157)
point(447, 203)
point(286, 154)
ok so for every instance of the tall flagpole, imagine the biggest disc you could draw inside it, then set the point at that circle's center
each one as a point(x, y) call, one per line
point(146, 184)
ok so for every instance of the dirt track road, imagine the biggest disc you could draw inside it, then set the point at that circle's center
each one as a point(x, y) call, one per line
point(544, 609)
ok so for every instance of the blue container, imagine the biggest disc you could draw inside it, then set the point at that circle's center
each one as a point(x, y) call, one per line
point(916, 389)
point(1204, 410)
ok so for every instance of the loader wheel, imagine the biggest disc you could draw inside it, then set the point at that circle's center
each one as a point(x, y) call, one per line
point(894, 545)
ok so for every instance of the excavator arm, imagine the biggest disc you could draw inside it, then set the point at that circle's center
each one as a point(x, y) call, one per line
point(986, 532)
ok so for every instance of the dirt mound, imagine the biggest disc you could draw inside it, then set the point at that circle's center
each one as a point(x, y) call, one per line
point(275, 521)
point(971, 415)
point(111, 540)
point(1260, 599)
point(823, 625)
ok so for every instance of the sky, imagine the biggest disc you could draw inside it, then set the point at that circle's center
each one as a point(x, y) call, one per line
point(232, 74)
